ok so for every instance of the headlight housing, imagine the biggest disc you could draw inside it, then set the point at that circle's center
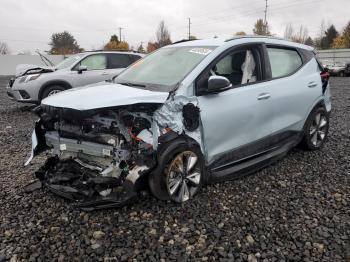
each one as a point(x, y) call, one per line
point(28, 78)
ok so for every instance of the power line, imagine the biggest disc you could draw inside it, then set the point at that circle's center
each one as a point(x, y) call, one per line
point(256, 11)
point(205, 15)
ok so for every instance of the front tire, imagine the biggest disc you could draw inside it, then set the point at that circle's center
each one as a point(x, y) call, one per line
point(316, 129)
point(180, 171)
point(52, 90)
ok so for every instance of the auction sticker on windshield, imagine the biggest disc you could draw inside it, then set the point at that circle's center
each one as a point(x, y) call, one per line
point(201, 51)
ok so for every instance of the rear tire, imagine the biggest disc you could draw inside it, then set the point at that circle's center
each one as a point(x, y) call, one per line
point(180, 171)
point(52, 90)
point(316, 129)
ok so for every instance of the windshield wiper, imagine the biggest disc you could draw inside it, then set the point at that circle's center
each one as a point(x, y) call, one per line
point(132, 84)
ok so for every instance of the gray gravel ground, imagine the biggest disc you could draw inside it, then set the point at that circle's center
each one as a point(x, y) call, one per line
point(295, 210)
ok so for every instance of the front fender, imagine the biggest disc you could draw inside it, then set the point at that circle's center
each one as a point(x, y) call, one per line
point(38, 141)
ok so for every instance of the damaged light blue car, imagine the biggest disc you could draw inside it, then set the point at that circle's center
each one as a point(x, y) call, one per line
point(186, 115)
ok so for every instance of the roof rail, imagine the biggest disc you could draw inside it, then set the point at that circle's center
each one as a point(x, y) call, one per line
point(253, 36)
point(184, 40)
point(118, 50)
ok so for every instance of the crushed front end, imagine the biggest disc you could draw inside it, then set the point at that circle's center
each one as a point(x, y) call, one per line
point(100, 157)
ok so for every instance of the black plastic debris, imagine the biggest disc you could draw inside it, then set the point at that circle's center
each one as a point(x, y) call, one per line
point(31, 187)
point(91, 191)
point(125, 196)
point(190, 114)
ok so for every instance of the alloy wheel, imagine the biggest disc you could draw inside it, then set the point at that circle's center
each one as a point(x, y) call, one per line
point(318, 129)
point(183, 176)
point(53, 92)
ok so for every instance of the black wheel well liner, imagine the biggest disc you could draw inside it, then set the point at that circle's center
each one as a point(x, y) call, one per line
point(61, 83)
point(172, 136)
point(319, 104)
point(182, 138)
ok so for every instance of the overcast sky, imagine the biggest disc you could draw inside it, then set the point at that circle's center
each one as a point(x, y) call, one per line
point(28, 25)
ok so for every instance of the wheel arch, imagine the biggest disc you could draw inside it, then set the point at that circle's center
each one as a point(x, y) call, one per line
point(165, 151)
point(317, 104)
point(61, 83)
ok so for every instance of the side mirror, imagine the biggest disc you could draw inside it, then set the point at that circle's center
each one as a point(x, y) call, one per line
point(218, 83)
point(81, 69)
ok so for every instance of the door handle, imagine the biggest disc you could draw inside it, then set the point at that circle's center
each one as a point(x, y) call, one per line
point(264, 96)
point(312, 84)
point(104, 73)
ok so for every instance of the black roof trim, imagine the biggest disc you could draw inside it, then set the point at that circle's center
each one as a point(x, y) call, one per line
point(184, 40)
point(113, 50)
point(253, 36)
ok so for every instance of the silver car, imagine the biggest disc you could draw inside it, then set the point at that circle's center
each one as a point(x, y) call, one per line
point(34, 83)
point(188, 114)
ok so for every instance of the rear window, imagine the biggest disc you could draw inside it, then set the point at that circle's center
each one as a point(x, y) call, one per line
point(283, 62)
point(119, 61)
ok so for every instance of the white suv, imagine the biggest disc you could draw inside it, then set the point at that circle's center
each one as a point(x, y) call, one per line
point(34, 83)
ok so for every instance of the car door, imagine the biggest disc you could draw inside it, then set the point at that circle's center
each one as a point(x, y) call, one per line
point(96, 65)
point(236, 122)
point(117, 63)
point(295, 85)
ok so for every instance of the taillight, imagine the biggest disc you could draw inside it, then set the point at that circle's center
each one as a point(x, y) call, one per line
point(324, 77)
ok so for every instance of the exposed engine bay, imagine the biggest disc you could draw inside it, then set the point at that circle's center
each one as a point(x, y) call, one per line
point(101, 157)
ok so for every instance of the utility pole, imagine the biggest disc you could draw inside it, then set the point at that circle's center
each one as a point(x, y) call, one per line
point(265, 21)
point(189, 28)
point(120, 33)
point(141, 46)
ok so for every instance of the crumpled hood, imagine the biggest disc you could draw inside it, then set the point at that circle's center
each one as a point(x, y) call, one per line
point(104, 95)
point(22, 68)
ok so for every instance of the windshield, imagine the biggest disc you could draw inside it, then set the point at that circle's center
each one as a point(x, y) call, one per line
point(68, 61)
point(163, 69)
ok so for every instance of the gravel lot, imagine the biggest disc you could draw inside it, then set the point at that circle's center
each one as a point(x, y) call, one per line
point(295, 210)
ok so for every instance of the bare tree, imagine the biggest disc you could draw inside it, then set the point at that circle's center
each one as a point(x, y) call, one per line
point(322, 29)
point(289, 32)
point(321, 34)
point(163, 35)
point(4, 49)
point(301, 35)
point(296, 36)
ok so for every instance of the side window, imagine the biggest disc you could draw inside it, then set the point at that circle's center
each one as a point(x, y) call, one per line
point(283, 61)
point(118, 61)
point(95, 62)
point(240, 67)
